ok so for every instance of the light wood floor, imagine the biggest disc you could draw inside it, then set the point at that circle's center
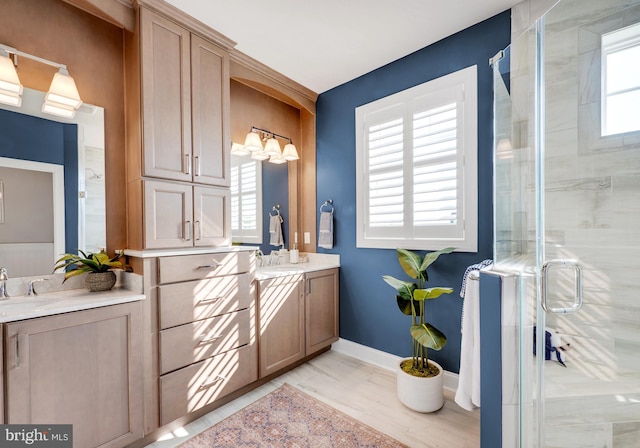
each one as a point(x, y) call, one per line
point(363, 391)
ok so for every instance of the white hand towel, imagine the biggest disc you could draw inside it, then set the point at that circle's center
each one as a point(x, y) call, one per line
point(468, 392)
point(325, 237)
point(275, 231)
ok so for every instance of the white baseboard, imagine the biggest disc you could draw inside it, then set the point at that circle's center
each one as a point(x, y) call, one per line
point(383, 359)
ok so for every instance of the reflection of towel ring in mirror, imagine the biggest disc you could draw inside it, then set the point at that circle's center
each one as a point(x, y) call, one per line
point(276, 208)
point(327, 203)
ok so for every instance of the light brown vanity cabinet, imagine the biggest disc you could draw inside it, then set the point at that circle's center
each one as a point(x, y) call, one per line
point(185, 104)
point(281, 317)
point(2, 373)
point(298, 315)
point(207, 329)
point(321, 309)
point(81, 368)
point(182, 215)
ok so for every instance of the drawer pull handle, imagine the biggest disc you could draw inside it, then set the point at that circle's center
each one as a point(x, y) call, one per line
point(210, 266)
point(210, 340)
point(212, 300)
point(211, 383)
point(187, 164)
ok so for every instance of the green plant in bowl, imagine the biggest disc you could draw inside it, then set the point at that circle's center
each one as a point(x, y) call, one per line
point(77, 264)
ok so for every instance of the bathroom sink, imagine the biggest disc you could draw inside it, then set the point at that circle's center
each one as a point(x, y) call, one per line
point(278, 271)
point(25, 302)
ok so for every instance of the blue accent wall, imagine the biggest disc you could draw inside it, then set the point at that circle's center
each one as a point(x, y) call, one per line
point(368, 312)
point(31, 138)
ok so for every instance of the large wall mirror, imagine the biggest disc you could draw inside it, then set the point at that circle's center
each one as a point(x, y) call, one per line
point(52, 185)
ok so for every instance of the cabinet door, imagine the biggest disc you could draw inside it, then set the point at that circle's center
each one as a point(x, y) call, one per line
point(281, 323)
point(212, 215)
point(2, 374)
point(322, 309)
point(82, 368)
point(166, 98)
point(168, 220)
point(210, 113)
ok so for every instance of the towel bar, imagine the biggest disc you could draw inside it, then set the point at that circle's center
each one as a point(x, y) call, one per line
point(327, 203)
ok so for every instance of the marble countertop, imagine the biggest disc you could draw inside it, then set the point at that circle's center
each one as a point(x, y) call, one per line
point(315, 262)
point(50, 303)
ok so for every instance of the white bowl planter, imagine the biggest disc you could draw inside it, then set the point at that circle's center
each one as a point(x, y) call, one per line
point(421, 394)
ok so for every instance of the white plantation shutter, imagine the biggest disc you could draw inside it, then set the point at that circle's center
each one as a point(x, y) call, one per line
point(246, 207)
point(417, 166)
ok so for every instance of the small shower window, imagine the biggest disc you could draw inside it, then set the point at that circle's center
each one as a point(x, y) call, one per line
point(621, 81)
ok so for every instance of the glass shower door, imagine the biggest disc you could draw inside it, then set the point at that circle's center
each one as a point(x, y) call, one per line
point(567, 224)
point(589, 206)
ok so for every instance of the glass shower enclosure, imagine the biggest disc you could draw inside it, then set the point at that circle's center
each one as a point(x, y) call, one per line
point(567, 226)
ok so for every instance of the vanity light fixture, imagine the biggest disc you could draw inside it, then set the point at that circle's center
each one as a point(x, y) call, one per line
point(62, 98)
point(10, 87)
point(271, 150)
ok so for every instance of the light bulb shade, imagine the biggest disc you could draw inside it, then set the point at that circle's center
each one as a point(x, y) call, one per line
point(238, 150)
point(253, 142)
point(63, 91)
point(277, 160)
point(272, 148)
point(58, 109)
point(290, 152)
point(259, 155)
point(9, 81)
point(10, 98)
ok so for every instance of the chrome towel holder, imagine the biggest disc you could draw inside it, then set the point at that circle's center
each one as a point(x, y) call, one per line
point(276, 208)
point(327, 203)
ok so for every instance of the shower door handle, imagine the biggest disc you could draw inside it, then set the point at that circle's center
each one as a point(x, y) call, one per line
point(577, 298)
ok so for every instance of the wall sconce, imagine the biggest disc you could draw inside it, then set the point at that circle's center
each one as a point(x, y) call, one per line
point(62, 99)
point(271, 150)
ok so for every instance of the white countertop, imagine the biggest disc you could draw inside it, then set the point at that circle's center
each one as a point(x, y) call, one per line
point(151, 253)
point(50, 303)
point(316, 262)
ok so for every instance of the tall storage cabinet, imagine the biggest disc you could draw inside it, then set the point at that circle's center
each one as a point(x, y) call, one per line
point(179, 155)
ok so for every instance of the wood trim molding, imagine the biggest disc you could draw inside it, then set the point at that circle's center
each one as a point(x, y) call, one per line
point(184, 19)
point(255, 74)
point(117, 12)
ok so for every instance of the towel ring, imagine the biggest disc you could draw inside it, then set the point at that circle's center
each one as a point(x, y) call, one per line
point(276, 208)
point(327, 203)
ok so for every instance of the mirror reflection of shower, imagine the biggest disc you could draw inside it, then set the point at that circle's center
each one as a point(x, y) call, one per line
point(93, 174)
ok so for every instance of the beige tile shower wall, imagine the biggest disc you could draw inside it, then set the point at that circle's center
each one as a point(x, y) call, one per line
point(591, 190)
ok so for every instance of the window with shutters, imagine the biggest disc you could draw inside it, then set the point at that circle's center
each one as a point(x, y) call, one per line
point(246, 200)
point(416, 166)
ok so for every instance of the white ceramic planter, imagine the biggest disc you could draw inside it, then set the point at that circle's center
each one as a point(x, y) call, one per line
point(420, 394)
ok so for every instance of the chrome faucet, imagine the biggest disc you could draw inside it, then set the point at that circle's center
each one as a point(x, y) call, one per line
point(31, 291)
point(3, 284)
point(259, 258)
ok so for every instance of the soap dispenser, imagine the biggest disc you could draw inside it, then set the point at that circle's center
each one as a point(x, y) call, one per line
point(293, 254)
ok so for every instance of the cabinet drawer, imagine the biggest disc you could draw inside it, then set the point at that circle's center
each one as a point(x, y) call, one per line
point(181, 303)
point(193, 387)
point(186, 344)
point(182, 268)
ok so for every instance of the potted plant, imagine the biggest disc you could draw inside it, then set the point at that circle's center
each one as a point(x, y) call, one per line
point(419, 380)
point(99, 267)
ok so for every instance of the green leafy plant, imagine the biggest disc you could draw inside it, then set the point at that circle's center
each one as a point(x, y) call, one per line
point(76, 264)
point(411, 297)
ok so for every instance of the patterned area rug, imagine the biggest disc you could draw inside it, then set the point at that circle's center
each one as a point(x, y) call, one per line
point(289, 418)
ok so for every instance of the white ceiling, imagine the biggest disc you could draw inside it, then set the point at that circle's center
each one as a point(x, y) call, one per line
point(324, 43)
